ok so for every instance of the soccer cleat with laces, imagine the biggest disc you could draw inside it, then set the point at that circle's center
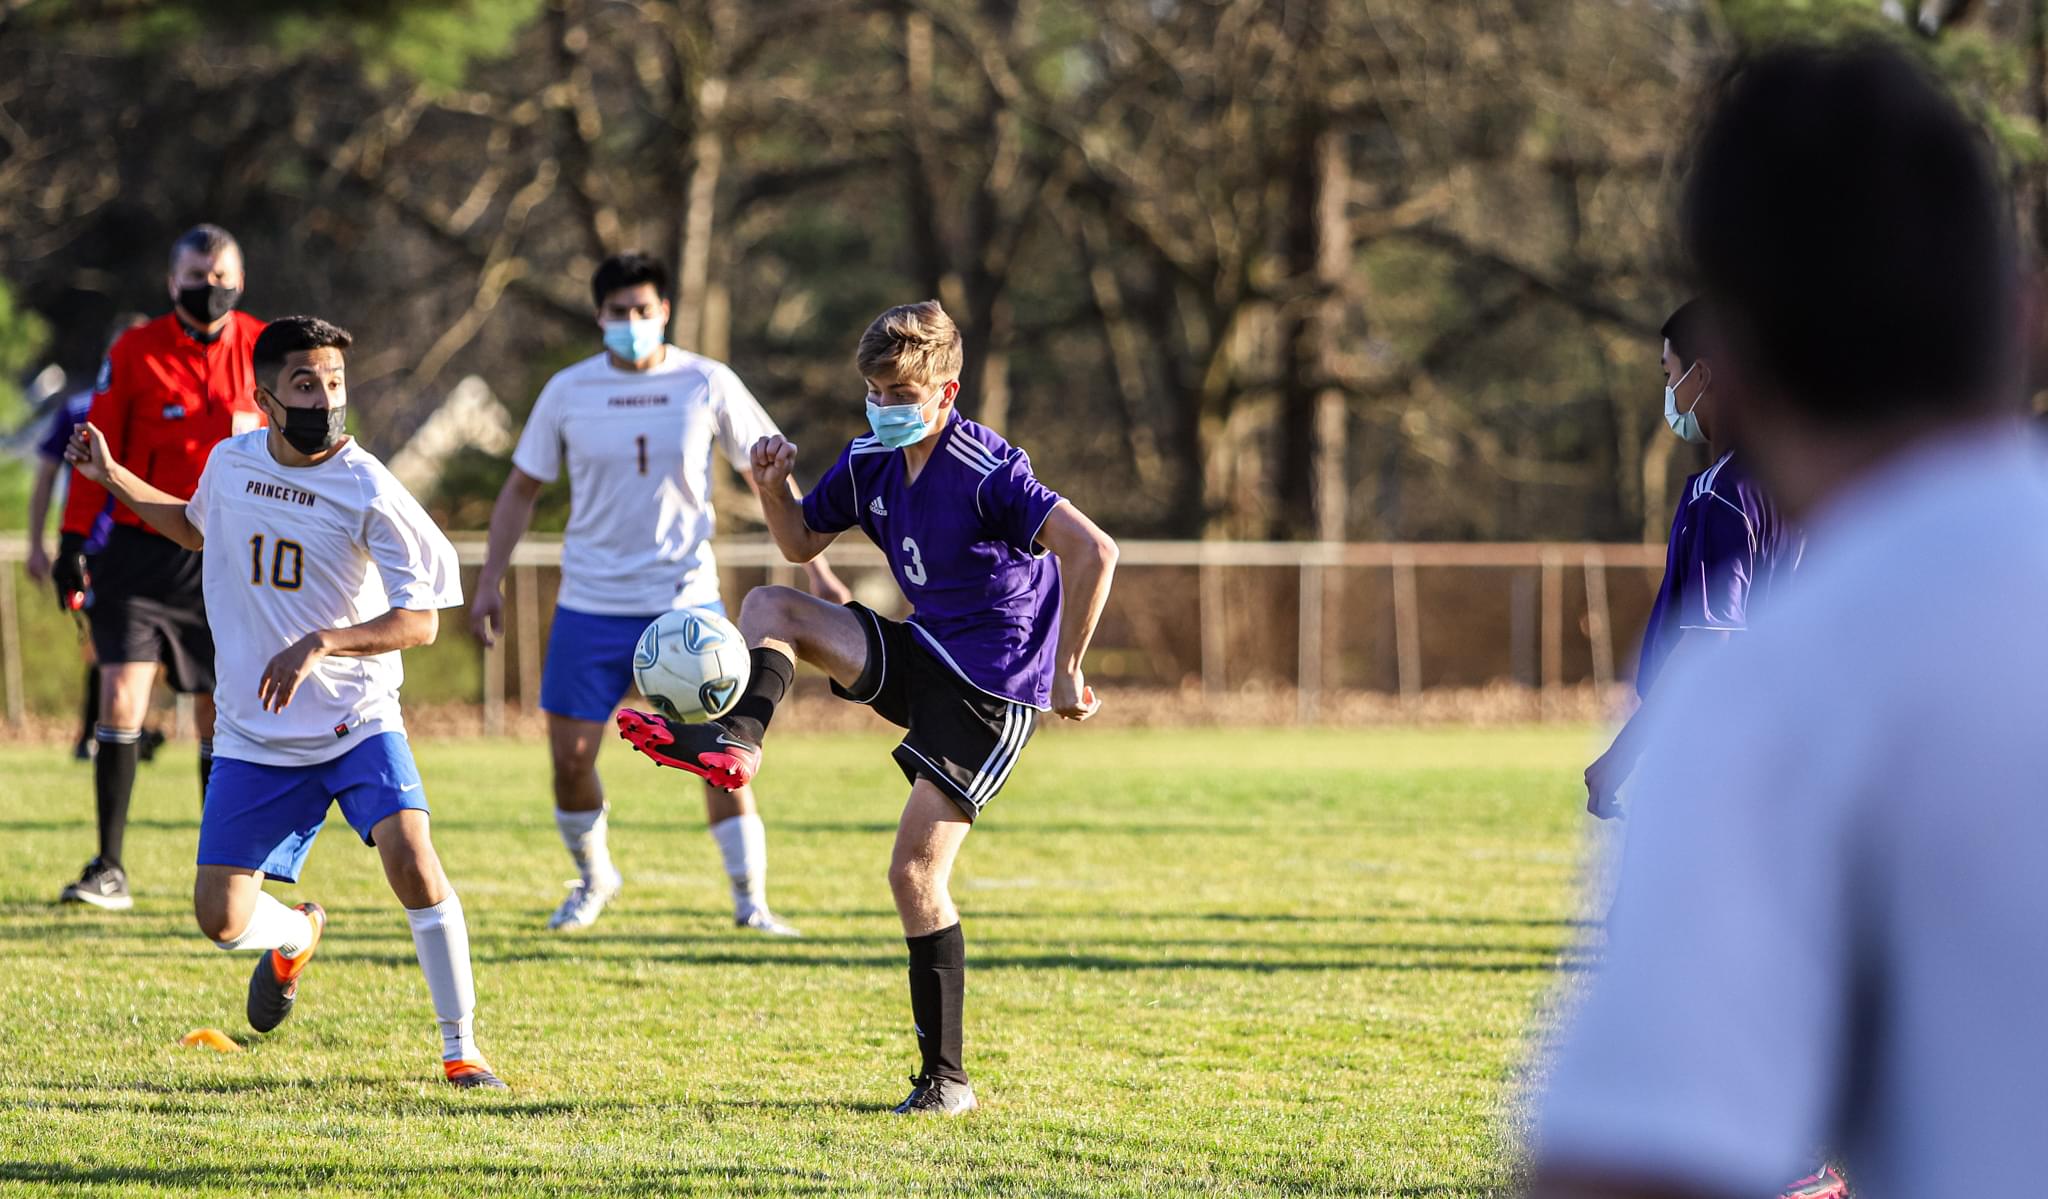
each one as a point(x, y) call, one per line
point(585, 901)
point(765, 922)
point(472, 1076)
point(1825, 1183)
point(936, 1097)
point(101, 884)
point(274, 986)
point(707, 750)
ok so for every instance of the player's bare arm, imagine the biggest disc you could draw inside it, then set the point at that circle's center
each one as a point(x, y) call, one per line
point(398, 629)
point(1087, 564)
point(773, 461)
point(510, 518)
point(164, 512)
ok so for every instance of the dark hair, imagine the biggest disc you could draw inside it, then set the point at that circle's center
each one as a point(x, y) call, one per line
point(629, 269)
point(1686, 330)
point(289, 335)
point(1851, 234)
point(207, 240)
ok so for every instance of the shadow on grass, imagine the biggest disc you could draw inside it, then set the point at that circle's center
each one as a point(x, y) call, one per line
point(257, 1177)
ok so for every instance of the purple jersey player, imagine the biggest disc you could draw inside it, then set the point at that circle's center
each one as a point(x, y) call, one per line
point(1727, 542)
point(1006, 582)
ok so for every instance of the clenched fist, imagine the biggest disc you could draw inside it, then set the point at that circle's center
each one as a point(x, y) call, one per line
point(773, 460)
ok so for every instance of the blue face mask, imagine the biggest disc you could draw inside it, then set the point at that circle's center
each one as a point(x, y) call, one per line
point(1686, 424)
point(634, 341)
point(898, 425)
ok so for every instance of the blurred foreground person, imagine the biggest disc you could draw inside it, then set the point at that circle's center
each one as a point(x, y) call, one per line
point(1838, 934)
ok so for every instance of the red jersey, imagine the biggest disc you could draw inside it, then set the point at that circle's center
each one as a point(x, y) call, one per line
point(164, 399)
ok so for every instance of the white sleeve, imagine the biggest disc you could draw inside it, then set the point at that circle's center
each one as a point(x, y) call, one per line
point(202, 497)
point(414, 557)
point(539, 452)
point(741, 419)
point(1711, 1038)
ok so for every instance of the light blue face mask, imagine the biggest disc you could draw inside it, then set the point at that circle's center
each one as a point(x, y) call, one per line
point(634, 341)
point(898, 425)
point(1686, 424)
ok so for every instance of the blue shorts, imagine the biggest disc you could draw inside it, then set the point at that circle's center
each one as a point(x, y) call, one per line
point(265, 817)
point(590, 661)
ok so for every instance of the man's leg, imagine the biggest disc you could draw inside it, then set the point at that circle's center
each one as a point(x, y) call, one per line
point(440, 936)
point(928, 840)
point(235, 912)
point(580, 818)
point(124, 700)
point(89, 713)
point(742, 841)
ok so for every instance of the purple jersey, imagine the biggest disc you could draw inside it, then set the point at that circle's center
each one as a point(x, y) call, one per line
point(1727, 544)
point(69, 415)
point(962, 542)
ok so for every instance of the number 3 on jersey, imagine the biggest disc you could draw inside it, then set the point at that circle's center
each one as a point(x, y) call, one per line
point(284, 552)
point(913, 570)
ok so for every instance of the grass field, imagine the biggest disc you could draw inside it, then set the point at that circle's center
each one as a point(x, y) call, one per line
point(1311, 974)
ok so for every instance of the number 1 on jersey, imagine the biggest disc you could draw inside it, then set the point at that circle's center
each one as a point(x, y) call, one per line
point(641, 442)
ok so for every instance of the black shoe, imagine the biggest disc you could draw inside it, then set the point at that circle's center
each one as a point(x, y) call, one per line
point(83, 751)
point(145, 749)
point(707, 750)
point(101, 885)
point(936, 1097)
point(274, 985)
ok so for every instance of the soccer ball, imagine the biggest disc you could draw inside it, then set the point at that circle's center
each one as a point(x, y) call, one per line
point(692, 663)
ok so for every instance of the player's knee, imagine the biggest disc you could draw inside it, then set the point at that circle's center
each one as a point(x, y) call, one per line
point(770, 611)
point(912, 878)
point(216, 923)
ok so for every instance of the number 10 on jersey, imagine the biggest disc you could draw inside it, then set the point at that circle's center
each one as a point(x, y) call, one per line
point(287, 563)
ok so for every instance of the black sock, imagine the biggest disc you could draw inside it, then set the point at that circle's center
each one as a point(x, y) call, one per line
point(89, 718)
point(205, 768)
point(113, 782)
point(772, 672)
point(938, 988)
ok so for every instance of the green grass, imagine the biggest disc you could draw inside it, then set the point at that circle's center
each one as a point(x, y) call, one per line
point(1313, 975)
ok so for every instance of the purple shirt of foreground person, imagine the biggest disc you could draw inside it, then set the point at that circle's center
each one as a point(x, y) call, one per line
point(961, 540)
point(69, 415)
point(1728, 544)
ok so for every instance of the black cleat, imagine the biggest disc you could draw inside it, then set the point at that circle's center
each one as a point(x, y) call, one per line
point(101, 884)
point(145, 749)
point(274, 985)
point(707, 750)
point(936, 1097)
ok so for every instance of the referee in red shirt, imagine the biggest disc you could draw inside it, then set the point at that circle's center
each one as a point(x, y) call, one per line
point(170, 390)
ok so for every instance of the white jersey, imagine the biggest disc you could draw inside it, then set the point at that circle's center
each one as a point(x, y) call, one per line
point(291, 550)
point(639, 450)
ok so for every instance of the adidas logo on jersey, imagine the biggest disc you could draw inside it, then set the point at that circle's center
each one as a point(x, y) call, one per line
point(876, 506)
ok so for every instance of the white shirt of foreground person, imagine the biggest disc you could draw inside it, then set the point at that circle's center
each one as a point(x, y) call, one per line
point(1831, 931)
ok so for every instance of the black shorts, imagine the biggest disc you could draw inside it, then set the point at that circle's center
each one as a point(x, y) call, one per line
point(149, 605)
point(963, 739)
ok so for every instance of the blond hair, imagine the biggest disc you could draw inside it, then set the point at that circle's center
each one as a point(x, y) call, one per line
point(911, 343)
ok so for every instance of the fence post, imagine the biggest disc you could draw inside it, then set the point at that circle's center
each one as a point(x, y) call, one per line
point(494, 690)
point(1553, 628)
point(526, 611)
point(1599, 627)
point(1213, 632)
point(1308, 674)
point(10, 648)
point(1407, 628)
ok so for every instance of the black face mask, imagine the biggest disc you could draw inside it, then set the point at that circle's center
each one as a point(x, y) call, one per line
point(313, 431)
point(208, 302)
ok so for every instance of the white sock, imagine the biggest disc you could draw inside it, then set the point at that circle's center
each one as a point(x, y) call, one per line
point(273, 926)
point(583, 835)
point(441, 938)
point(743, 843)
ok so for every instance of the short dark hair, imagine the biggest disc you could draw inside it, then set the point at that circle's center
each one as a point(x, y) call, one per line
point(208, 240)
point(1851, 234)
point(629, 269)
point(1686, 330)
point(289, 335)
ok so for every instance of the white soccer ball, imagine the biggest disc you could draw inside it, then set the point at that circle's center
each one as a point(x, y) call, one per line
point(692, 663)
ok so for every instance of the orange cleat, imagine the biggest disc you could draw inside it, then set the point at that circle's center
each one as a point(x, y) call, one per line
point(274, 986)
point(472, 1075)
